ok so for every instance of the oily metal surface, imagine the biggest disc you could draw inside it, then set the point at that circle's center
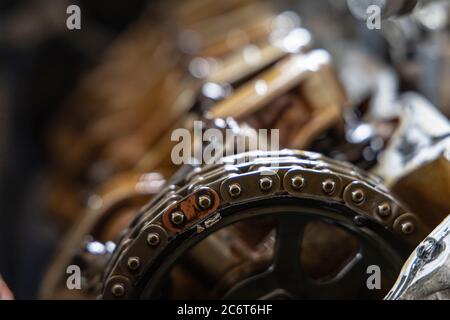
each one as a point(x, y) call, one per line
point(425, 275)
point(192, 205)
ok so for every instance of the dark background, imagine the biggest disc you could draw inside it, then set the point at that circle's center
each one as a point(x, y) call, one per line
point(40, 62)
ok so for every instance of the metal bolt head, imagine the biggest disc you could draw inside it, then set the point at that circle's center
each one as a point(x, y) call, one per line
point(358, 196)
point(177, 218)
point(297, 182)
point(234, 190)
point(204, 201)
point(430, 249)
point(328, 186)
point(133, 263)
point(118, 290)
point(407, 227)
point(153, 239)
point(384, 209)
point(265, 184)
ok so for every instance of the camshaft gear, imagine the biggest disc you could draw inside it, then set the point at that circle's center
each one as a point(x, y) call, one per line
point(293, 188)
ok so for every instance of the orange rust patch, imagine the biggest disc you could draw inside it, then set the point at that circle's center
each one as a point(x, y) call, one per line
point(191, 209)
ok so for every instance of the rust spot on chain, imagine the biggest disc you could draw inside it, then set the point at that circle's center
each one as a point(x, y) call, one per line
point(191, 209)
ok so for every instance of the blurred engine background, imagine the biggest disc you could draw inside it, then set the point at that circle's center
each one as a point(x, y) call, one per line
point(42, 64)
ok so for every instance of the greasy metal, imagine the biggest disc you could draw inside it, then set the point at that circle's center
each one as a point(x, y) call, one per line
point(253, 56)
point(109, 211)
point(213, 33)
point(311, 68)
point(310, 78)
point(419, 152)
point(426, 274)
point(244, 173)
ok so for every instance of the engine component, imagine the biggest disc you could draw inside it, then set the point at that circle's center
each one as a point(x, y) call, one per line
point(138, 119)
point(419, 152)
point(293, 189)
point(282, 224)
point(426, 274)
point(109, 211)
